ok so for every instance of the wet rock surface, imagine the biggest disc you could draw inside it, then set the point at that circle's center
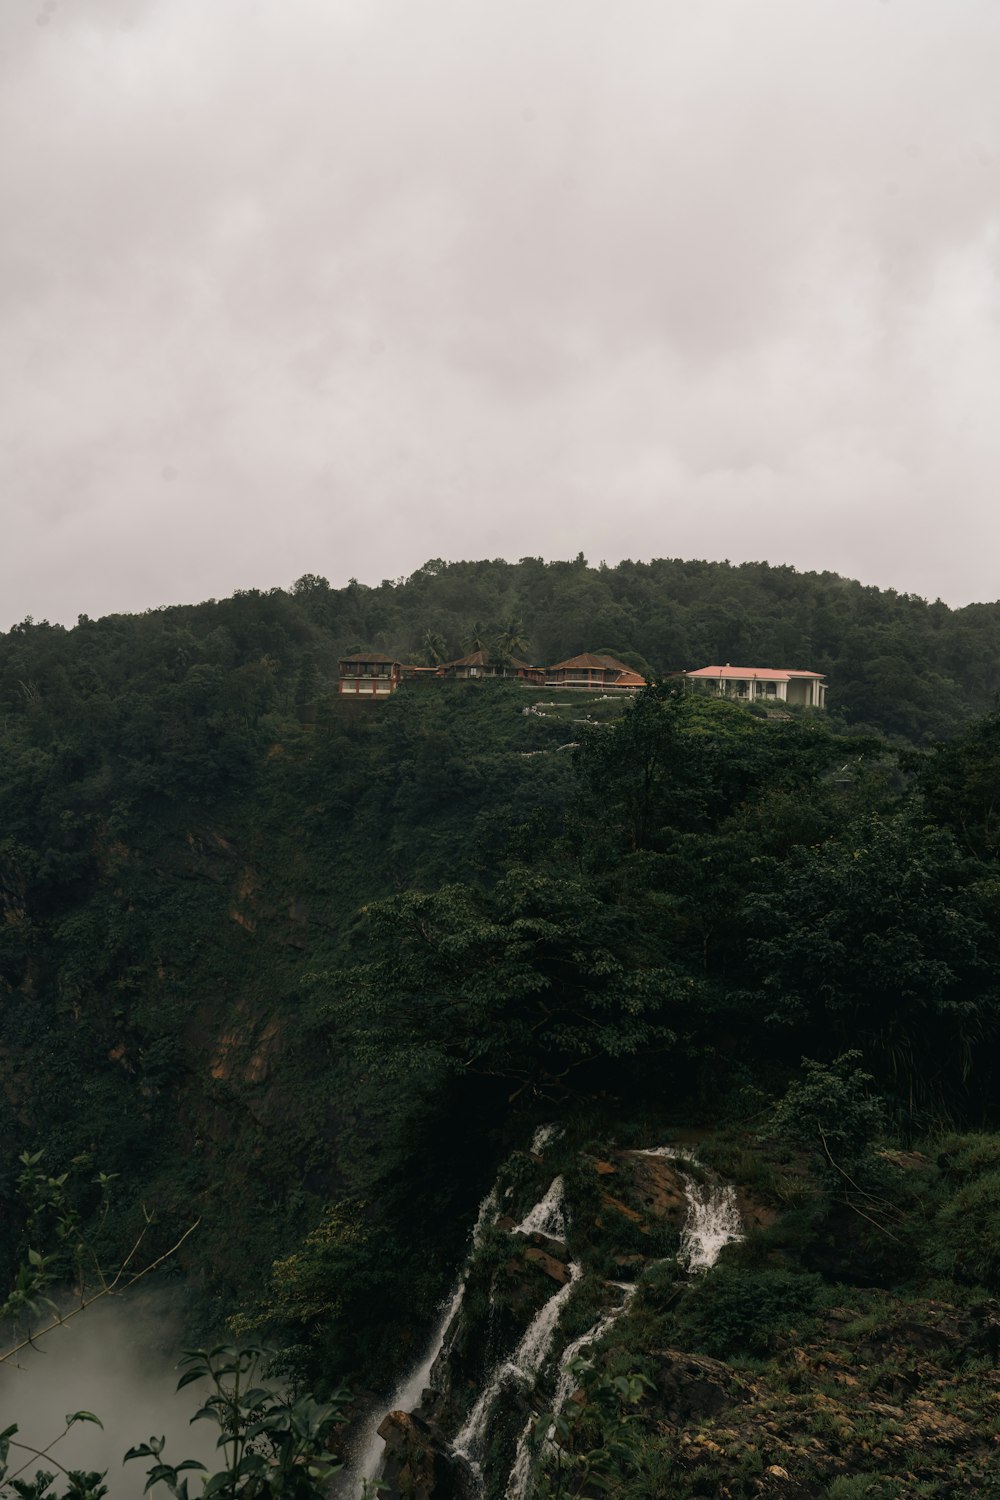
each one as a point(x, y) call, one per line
point(418, 1462)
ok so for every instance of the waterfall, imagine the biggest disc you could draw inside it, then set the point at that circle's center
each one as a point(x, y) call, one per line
point(520, 1475)
point(523, 1364)
point(548, 1216)
point(544, 1136)
point(713, 1216)
point(712, 1221)
point(368, 1449)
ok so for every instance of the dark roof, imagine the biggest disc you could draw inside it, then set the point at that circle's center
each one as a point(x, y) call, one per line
point(588, 662)
point(367, 656)
point(474, 659)
point(483, 659)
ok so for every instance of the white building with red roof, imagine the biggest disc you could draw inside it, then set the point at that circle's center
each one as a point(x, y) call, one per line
point(760, 684)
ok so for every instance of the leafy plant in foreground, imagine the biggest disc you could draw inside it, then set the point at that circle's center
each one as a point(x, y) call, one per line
point(596, 1448)
point(53, 1218)
point(273, 1445)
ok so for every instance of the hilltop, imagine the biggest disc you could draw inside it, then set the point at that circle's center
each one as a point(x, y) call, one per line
point(912, 669)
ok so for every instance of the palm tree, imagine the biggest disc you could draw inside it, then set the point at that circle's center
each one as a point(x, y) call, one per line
point(434, 648)
point(477, 637)
point(512, 640)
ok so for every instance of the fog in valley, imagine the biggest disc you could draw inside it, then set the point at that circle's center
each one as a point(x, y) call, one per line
point(118, 1360)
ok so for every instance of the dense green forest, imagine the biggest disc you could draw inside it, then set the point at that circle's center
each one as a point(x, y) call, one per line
point(311, 971)
point(912, 669)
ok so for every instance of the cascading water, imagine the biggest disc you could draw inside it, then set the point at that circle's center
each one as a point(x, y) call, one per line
point(523, 1364)
point(544, 1136)
point(369, 1450)
point(712, 1221)
point(548, 1216)
point(713, 1215)
point(518, 1484)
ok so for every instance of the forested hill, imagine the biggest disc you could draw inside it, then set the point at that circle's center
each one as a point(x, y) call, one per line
point(894, 662)
point(302, 972)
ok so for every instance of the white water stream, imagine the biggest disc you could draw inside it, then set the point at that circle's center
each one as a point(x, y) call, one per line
point(548, 1216)
point(544, 1136)
point(713, 1215)
point(523, 1365)
point(518, 1485)
point(712, 1221)
point(365, 1462)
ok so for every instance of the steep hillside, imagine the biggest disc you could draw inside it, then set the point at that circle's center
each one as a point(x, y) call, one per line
point(308, 971)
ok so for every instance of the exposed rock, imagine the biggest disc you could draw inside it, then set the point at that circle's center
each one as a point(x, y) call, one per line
point(622, 1208)
point(658, 1186)
point(418, 1462)
point(907, 1161)
point(754, 1214)
point(547, 1263)
point(691, 1387)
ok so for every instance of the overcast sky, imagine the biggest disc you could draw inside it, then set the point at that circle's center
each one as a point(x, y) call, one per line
point(338, 286)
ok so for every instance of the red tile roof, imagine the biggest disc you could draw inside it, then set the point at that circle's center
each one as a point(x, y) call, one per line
point(766, 674)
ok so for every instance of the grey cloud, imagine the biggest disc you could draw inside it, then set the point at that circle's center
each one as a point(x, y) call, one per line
point(662, 277)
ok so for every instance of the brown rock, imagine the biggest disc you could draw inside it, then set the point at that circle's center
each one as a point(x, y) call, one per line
point(547, 1263)
point(409, 1455)
point(623, 1209)
point(908, 1161)
point(755, 1215)
point(659, 1187)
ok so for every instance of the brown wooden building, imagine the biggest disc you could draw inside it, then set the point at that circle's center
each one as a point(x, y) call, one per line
point(588, 671)
point(479, 664)
point(368, 675)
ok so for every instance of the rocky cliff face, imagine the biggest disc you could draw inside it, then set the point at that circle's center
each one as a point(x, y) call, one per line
point(576, 1357)
point(557, 1264)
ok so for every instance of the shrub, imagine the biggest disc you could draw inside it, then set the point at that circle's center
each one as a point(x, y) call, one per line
point(832, 1111)
point(732, 1311)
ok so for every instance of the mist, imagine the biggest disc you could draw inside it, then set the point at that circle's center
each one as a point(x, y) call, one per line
point(118, 1360)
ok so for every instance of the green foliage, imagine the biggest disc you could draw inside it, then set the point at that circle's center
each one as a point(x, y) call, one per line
point(878, 938)
point(592, 1449)
point(53, 1218)
point(528, 984)
point(831, 1110)
point(959, 782)
point(274, 1447)
point(962, 1212)
point(192, 824)
point(76, 1484)
point(735, 1311)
